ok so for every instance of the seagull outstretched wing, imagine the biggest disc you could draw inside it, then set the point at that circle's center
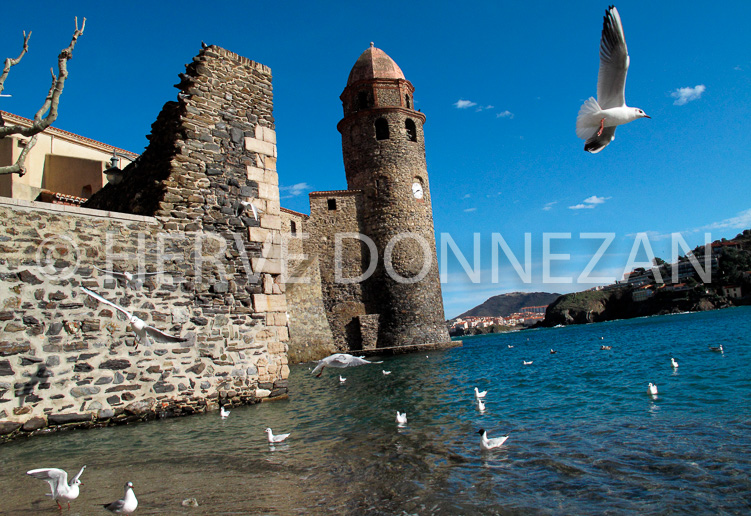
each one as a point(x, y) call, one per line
point(614, 61)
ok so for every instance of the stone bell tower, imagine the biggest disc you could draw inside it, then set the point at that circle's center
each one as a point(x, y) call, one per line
point(384, 159)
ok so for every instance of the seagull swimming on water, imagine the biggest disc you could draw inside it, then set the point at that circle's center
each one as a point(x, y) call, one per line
point(480, 394)
point(339, 360)
point(652, 389)
point(489, 444)
point(223, 412)
point(598, 119)
point(673, 363)
point(275, 438)
point(142, 330)
point(342, 379)
point(125, 505)
point(716, 348)
point(401, 418)
point(59, 485)
point(480, 405)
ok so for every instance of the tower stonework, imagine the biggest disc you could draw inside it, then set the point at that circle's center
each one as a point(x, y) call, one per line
point(383, 147)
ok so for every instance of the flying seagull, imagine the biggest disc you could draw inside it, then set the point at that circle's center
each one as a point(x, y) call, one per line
point(58, 481)
point(339, 360)
point(243, 205)
point(598, 119)
point(275, 438)
point(125, 505)
point(489, 444)
point(142, 330)
point(132, 281)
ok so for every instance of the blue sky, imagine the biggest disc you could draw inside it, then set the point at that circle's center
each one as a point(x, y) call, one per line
point(501, 84)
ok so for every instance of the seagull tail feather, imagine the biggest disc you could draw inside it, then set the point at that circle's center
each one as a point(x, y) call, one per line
point(587, 121)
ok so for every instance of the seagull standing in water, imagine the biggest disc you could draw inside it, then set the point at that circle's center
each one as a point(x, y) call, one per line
point(125, 505)
point(489, 444)
point(142, 330)
point(598, 119)
point(58, 481)
point(339, 360)
point(275, 438)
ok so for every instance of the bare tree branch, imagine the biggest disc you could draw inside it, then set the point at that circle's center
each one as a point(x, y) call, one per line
point(12, 62)
point(49, 106)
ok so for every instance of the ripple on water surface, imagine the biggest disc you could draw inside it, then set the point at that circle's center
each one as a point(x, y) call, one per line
point(585, 437)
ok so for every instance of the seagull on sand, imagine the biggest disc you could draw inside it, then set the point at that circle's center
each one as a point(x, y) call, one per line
point(125, 505)
point(401, 418)
point(142, 330)
point(58, 481)
point(132, 281)
point(479, 394)
point(652, 389)
point(340, 360)
point(275, 438)
point(224, 412)
point(489, 444)
point(598, 119)
point(673, 363)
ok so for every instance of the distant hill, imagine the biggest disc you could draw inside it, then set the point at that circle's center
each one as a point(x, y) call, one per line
point(506, 304)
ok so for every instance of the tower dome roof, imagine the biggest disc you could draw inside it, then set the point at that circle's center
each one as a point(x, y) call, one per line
point(374, 63)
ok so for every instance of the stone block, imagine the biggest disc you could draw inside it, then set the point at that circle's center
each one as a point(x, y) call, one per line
point(271, 266)
point(268, 191)
point(269, 163)
point(271, 222)
point(256, 174)
point(260, 146)
point(63, 419)
point(271, 250)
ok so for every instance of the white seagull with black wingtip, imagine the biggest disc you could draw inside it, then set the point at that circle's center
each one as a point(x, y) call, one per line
point(489, 444)
point(598, 119)
point(340, 360)
point(142, 330)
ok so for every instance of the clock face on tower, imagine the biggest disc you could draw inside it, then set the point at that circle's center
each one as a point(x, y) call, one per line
point(417, 189)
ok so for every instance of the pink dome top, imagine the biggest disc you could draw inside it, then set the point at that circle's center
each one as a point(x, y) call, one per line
point(374, 64)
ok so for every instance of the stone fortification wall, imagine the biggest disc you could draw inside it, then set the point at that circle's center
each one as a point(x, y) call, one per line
point(332, 213)
point(213, 148)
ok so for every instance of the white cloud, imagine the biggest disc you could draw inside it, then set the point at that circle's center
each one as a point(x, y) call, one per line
point(589, 203)
point(685, 95)
point(738, 68)
point(470, 210)
point(295, 190)
point(464, 104)
point(740, 221)
point(596, 200)
point(549, 206)
point(467, 196)
point(505, 114)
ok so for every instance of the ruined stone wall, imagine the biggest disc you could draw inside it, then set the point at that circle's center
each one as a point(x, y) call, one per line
point(209, 150)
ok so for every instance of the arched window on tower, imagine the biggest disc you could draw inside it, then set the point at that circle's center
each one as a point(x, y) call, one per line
point(406, 101)
point(293, 227)
point(409, 125)
point(362, 100)
point(382, 129)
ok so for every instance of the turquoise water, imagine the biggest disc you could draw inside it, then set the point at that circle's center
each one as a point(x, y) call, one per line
point(585, 437)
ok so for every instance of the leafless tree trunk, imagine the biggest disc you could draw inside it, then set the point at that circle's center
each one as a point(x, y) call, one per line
point(41, 122)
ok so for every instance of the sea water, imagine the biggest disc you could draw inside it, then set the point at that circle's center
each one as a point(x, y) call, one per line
point(585, 437)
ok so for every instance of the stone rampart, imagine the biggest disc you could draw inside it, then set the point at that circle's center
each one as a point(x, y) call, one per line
point(68, 359)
